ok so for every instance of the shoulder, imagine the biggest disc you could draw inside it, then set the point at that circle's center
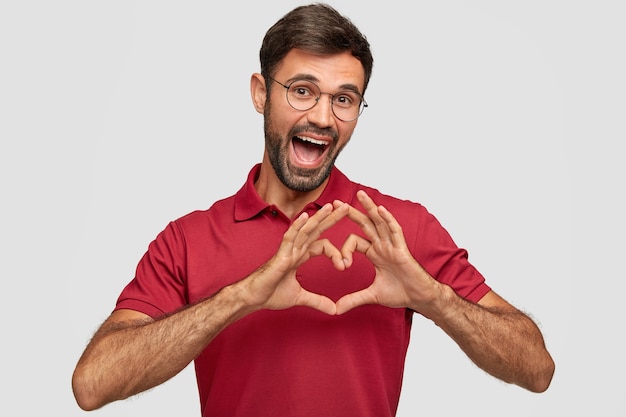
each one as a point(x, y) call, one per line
point(199, 222)
point(220, 208)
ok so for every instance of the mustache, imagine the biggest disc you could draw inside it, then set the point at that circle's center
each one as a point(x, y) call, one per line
point(309, 128)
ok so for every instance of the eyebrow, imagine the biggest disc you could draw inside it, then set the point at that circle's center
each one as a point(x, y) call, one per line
point(312, 78)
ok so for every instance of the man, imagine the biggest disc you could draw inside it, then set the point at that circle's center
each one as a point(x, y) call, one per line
point(294, 297)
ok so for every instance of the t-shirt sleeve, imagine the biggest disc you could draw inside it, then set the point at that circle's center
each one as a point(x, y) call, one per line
point(435, 250)
point(158, 287)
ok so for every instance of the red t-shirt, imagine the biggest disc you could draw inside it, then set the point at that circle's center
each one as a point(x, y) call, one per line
point(295, 362)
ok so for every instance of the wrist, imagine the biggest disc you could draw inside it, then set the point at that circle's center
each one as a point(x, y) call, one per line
point(241, 299)
point(437, 302)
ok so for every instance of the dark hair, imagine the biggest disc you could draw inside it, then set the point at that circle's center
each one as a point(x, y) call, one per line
point(315, 28)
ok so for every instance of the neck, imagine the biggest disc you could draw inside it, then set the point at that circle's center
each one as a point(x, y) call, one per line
point(271, 189)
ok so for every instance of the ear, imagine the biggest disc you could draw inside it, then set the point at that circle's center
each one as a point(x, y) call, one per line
point(258, 92)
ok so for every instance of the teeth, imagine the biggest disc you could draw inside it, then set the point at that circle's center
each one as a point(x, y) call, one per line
point(313, 141)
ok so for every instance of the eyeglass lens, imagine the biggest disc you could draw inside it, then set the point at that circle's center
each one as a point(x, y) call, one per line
point(303, 95)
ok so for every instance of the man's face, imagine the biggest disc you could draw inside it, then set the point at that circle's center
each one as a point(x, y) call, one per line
point(302, 146)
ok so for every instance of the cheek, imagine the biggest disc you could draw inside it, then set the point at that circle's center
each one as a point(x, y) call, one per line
point(280, 119)
point(345, 133)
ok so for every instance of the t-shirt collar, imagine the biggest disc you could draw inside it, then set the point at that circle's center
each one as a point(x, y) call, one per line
point(248, 203)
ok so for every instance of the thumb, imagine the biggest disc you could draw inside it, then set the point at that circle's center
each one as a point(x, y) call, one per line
point(317, 302)
point(355, 299)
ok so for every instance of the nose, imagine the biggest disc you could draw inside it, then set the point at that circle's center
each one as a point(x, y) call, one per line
point(322, 113)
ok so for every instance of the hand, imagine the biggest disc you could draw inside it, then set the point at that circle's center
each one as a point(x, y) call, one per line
point(274, 285)
point(400, 280)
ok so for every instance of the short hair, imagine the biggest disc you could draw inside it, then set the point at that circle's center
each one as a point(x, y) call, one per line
point(316, 28)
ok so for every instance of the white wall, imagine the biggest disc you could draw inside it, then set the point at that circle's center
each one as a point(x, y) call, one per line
point(506, 119)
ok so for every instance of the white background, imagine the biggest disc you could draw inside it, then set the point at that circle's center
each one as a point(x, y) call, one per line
point(506, 119)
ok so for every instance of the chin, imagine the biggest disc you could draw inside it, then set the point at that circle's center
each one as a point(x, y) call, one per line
point(304, 179)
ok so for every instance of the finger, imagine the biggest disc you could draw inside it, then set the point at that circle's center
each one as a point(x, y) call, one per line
point(353, 243)
point(338, 203)
point(316, 301)
point(371, 223)
point(326, 217)
point(363, 221)
point(324, 247)
point(396, 233)
point(339, 211)
point(382, 228)
point(355, 299)
point(309, 230)
point(293, 230)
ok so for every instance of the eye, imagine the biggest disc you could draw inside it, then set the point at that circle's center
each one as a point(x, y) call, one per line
point(346, 99)
point(302, 91)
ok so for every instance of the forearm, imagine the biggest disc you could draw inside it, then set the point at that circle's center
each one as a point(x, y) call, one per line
point(124, 359)
point(502, 341)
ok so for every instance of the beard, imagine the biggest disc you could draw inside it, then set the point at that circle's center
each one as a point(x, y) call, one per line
point(294, 177)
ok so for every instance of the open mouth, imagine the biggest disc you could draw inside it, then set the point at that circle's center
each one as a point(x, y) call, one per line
point(307, 150)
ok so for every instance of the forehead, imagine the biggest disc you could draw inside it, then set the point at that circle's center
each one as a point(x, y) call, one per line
point(330, 71)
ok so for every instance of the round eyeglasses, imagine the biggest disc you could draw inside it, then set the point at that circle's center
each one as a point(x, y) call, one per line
point(303, 95)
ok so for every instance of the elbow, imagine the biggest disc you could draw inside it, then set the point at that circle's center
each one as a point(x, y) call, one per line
point(84, 394)
point(542, 380)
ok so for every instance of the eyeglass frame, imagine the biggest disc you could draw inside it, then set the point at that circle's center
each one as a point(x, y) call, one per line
point(362, 105)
